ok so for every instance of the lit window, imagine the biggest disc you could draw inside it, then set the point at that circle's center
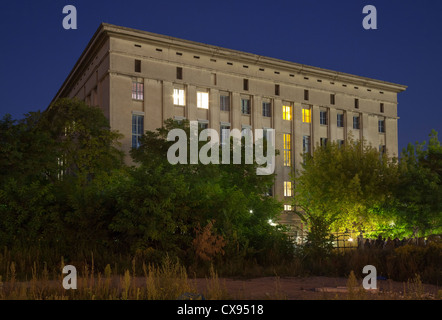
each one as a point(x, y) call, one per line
point(287, 150)
point(306, 115)
point(202, 100)
point(178, 97)
point(137, 90)
point(287, 207)
point(287, 112)
point(287, 188)
point(137, 129)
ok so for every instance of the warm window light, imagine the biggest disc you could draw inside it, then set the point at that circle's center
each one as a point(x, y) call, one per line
point(287, 150)
point(287, 188)
point(178, 97)
point(287, 112)
point(306, 115)
point(350, 239)
point(203, 100)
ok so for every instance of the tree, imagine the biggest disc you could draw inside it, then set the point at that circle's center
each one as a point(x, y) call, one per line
point(346, 186)
point(419, 191)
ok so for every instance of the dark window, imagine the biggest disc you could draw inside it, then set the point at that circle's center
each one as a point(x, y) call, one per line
point(276, 89)
point(381, 107)
point(137, 129)
point(306, 144)
point(179, 73)
point(323, 142)
point(203, 125)
point(224, 103)
point(340, 120)
point(332, 99)
point(356, 122)
point(245, 106)
point(266, 109)
point(137, 65)
point(381, 126)
point(357, 103)
point(323, 117)
point(382, 150)
point(246, 85)
point(341, 143)
point(225, 132)
point(306, 95)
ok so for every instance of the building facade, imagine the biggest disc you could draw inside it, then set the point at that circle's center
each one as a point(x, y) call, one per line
point(139, 79)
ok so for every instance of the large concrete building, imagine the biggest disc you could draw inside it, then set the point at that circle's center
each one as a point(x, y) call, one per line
point(140, 79)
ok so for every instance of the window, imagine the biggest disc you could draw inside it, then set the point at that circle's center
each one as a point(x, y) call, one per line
point(266, 109)
point(306, 115)
point(178, 97)
point(381, 126)
point(245, 106)
point(287, 112)
point(224, 102)
point(340, 120)
point(287, 188)
point(306, 95)
point(381, 107)
point(323, 142)
point(203, 124)
point(323, 117)
point(341, 143)
point(287, 207)
point(332, 99)
point(306, 144)
point(382, 150)
point(202, 100)
point(137, 65)
point(179, 73)
point(276, 89)
point(287, 150)
point(356, 122)
point(356, 103)
point(137, 129)
point(224, 134)
point(137, 90)
point(246, 84)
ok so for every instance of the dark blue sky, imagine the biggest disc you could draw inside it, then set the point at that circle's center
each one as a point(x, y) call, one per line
point(36, 53)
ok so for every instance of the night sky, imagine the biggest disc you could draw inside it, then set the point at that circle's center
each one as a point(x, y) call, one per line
point(37, 53)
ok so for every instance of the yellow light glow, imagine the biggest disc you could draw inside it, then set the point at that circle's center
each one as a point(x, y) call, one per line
point(306, 116)
point(287, 112)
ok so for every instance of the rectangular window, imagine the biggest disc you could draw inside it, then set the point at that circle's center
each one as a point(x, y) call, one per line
point(245, 106)
point(137, 65)
point(323, 117)
point(356, 103)
point(287, 150)
point(266, 109)
point(340, 120)
point(225, 131)
point(381, 107)
point(179, 97)
point(287, 112)
point(246, 84)
point(137, 90)
point(332, 99)
point(276, 89)
point(382, 150)
point(306, 115)
point(381, 126)
point(306, 95)
point(202, 100)
point(287, 207)
point(287, 188)
point(341, 143)
point(203, 125)
point(179, 73)
point(224, 102)
point(137, 129)
point(323, 142)
point(306, 144)
point(356, 122)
